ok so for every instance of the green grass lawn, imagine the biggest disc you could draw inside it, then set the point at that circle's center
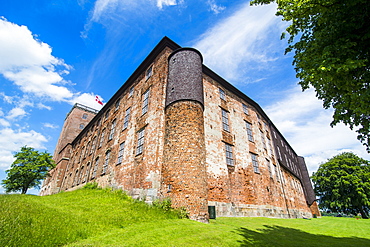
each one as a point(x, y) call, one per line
point(92, 217)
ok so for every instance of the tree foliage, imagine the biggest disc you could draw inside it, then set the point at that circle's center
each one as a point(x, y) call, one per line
point(332, 55)
point(343, 184)
point(27, 171)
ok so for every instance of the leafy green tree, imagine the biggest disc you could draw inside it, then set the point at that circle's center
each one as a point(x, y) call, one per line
point(27, 171)
point(343, 184)
point(332, 55)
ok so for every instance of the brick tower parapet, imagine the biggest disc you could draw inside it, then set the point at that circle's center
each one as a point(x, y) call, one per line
point(184, 171)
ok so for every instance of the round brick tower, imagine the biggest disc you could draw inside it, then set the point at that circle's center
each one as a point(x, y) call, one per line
point(184, 171)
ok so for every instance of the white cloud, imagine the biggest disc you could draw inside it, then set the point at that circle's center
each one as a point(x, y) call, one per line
point(42, 106)
point(6, 98)
point(214, 7)
point(16, 112)
point(300, 117)
point(29, 64)
point(11, 141)
point(4, 123)
point(243, 42)
point(51, 126)
point(161, 3)
point(102, 6)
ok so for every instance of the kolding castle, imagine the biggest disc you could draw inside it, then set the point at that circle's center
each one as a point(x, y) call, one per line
point(175, 129)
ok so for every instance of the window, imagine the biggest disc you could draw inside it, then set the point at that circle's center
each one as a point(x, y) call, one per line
point(131, 92)
point(229, 155)
point(81, 174)
point(75, 179)
point(269, 167)
point(149, 73)
point(249, 131)
point(87, 149)
point(102, 138)
point(270, 146)
point(225, 120)
point(107, 114)
point(145, 102)
point(258, 118)
point(82, 126)
point(120, 152)
point(82, 154)
point(117, 104)
point(127, 118)
point(277, 174)
point(140, 141)
point(84, 116)
point(86, 176)
point(222, 94)
point(106, 162)
point(93, 145)
point(245, 109)
point(263, 140)
point(112, 129)
point(95, 168)
point(255, 163)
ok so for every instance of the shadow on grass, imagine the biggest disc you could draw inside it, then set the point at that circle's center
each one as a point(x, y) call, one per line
point(283, 236)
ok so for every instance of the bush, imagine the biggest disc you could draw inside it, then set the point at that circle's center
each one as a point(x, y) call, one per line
point(91, 186)
point(166, 205)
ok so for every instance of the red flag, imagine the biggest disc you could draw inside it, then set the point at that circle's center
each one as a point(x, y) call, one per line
point(98, 100)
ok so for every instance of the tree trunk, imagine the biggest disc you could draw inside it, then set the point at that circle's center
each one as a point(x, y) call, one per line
point(364, 214)
point(24, 190)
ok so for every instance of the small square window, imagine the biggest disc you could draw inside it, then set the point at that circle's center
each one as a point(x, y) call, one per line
point(84, 116)
point(131, 92)
point(82, 126)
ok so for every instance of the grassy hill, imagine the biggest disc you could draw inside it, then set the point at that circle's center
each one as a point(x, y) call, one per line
point(93, 217)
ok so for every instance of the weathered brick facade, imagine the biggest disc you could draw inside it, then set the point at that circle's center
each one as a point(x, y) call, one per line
point(176, 129)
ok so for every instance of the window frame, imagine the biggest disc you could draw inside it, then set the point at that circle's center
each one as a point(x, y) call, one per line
point(112, 129)
point(255, 163)
point(225, 120)
point(101, 138)
point(140, 141)
point(127, 118)
point(245, 109)
point(145, 102)
point(120, 153)
point(95, 170)
point(249, 131)
point(106, 162)
point(117, 104)
point(222, 94)
point(229, 155)
point(149, 72)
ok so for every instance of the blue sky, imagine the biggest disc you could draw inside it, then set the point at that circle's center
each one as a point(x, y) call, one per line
point(55, 53)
